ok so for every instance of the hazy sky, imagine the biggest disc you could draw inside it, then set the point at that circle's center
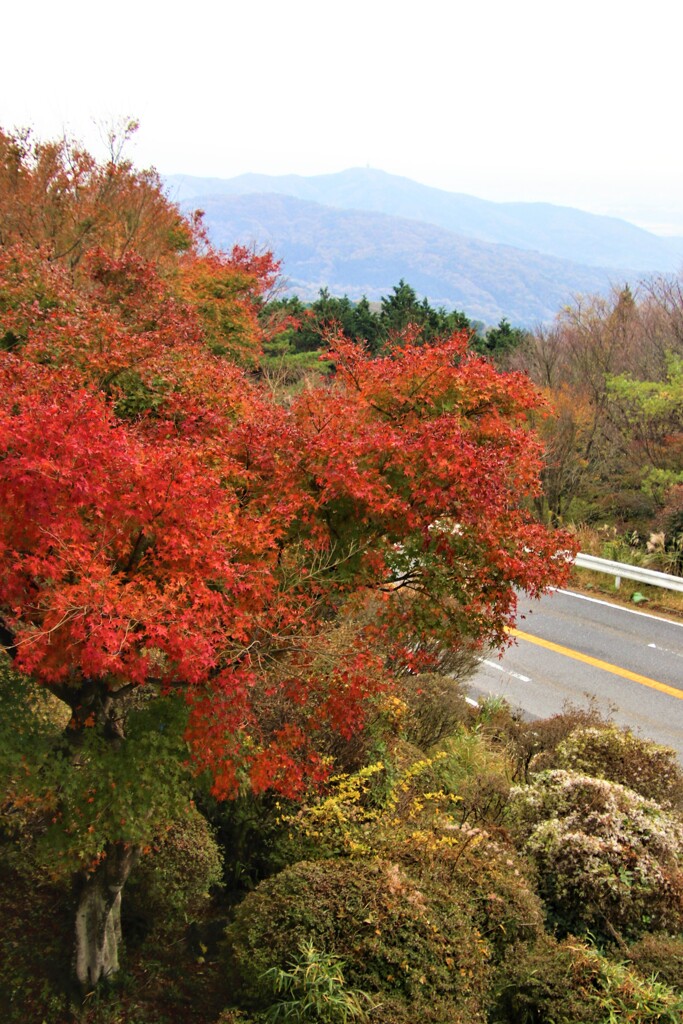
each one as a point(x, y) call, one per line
point(573, 103)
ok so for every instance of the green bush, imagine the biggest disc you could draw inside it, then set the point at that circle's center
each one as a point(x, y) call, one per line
point(479, 773)
point(170, 885)
point(413, 949)
point(569, 983)
point(486, 874)
point(608, 860)
point(616, 754)
point(420, 826)
point(660, 955)
point(255, 837)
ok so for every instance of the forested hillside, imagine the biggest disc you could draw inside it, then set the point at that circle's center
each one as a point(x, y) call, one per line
point(251, 550)
point(364, 253)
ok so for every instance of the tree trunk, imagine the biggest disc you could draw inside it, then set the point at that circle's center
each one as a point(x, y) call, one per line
point(98, 916)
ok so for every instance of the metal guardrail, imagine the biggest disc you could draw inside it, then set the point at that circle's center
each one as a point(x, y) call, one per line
point(629, 572)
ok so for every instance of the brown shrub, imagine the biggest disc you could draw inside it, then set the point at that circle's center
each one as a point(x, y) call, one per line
point(534, 743)
point(436, 708)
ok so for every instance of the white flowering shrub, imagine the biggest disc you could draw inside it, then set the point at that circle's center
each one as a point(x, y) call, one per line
point(616, 754)
point(609, 861)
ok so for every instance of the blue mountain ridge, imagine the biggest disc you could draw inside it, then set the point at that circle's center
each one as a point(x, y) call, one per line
point(359, 231)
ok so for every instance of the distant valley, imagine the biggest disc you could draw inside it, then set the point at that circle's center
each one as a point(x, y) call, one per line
point(360, 231)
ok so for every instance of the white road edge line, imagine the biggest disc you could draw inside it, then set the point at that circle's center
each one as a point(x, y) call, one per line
point(611, 604)
point(665, 650)
point(507, 671)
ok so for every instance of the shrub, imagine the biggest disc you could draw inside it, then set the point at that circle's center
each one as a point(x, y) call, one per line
point(479, 773)
point(535, 742)
point(413, 949)
point(569, 983)
point(616, 754)
point(660, 955)
point(420, 826)
point(375, 810)
point(171, 882)
point(672, 520)
point(486, 874)
point(255, 837)
point(437, 707)
point(608, 860)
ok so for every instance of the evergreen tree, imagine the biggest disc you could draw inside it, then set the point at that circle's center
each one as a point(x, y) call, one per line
point(498, 342)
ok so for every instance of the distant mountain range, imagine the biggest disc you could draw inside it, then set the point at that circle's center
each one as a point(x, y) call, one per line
point(360, 231)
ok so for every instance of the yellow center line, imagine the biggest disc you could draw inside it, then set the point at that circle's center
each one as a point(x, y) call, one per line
point(597, 663)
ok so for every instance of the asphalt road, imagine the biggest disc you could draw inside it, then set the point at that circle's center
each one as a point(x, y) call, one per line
point(569, 648)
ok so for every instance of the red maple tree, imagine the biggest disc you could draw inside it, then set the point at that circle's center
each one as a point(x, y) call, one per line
point(166, 527)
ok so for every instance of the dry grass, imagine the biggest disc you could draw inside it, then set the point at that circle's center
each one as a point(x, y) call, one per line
point(667, 603)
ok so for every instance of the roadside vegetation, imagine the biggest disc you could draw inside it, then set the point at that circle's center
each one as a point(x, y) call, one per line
point(460, 865)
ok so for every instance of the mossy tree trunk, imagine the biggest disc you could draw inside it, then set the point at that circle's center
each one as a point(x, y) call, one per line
point(98, 916)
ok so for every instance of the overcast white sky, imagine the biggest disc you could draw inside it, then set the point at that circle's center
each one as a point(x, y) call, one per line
point(574, 103)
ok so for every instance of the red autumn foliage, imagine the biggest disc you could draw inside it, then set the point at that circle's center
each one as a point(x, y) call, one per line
point(165, 523)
